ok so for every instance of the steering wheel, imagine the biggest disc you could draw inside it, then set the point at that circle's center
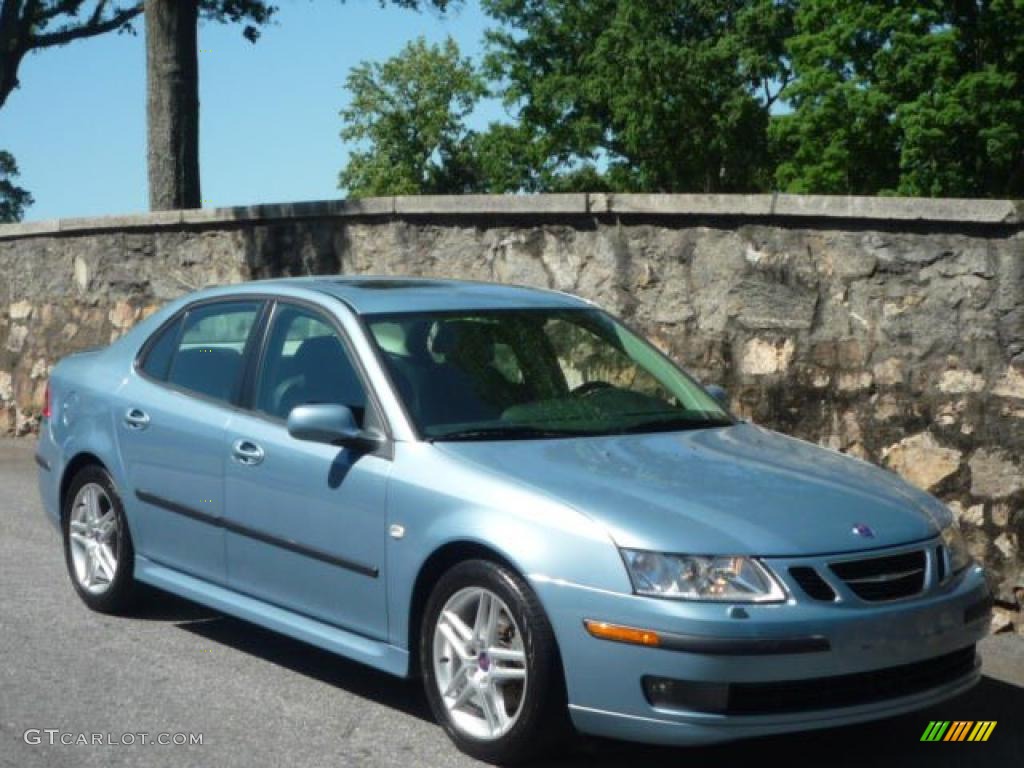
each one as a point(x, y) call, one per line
point(589, 388)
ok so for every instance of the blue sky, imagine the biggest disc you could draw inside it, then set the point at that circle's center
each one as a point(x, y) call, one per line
point(269, 112)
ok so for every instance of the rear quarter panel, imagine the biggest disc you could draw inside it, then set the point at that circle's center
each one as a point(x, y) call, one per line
point(82, 419)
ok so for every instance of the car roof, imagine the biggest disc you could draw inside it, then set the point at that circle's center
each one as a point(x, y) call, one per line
point(368, 295)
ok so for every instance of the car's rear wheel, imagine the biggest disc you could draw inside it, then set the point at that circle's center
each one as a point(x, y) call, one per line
point(97, 544)
point(490, 664)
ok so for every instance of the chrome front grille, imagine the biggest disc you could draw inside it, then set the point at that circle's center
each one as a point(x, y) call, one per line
point(883, 578)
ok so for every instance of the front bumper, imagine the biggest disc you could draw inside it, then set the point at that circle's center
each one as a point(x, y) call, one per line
point(755, 646)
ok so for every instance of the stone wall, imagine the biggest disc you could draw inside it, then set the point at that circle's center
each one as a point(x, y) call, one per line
point(889, 329)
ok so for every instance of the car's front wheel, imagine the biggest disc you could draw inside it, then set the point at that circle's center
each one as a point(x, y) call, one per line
point(97, 544)
point(490, 664)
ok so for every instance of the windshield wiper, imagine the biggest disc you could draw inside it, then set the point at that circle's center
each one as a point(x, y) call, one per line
point(505, 433)
point(674, 425)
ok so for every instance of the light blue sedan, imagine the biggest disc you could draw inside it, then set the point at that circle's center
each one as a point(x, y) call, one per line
point(506, 492)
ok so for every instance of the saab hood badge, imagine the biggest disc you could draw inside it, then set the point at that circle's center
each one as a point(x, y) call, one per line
point(859, 529)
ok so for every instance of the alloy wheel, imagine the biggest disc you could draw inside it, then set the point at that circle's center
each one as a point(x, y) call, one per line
point(93, 532)
point(480, 663)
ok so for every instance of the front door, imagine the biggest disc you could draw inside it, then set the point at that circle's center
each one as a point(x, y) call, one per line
point(306, 522)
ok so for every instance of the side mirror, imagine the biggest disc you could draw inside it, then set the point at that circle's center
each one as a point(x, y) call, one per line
point(328, 423)
point(718, 393)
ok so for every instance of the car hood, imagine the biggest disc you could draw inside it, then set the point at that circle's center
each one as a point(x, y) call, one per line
point(737, 490)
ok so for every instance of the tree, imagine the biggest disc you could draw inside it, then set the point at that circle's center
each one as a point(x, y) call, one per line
point(13, 200)
point(666, 95)
point(172, 86)
point(407, 115)
point(172, 91)
point(172, 68)
point(922, 98)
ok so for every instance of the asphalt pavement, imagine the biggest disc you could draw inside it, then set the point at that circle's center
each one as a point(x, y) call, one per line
point(258, 699)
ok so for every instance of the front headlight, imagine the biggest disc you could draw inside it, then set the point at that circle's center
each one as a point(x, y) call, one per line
point(733, 579)
point(955, 545)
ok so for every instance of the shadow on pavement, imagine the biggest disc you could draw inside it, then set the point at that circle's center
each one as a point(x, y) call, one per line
point(365, 682)
point(157, 605)
point(893, 742)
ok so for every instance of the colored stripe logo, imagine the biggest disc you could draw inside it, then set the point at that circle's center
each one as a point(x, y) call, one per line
point(958, 730)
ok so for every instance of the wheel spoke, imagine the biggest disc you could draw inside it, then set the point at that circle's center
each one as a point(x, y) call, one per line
point(92, 504)
point(507, 654)
point(453, 639)
point(464, 695)
point(455, 622)
point(458, 682)
point(77, 526)
point(507, 674)
point(483, 615)
point(107, 524)
point(490, 635)
point(90, 568)
point(80, 539)
point(105, 561)
point(492, 709)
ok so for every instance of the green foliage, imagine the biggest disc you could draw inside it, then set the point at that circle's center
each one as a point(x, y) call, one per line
point(253, 14)
point(918, 97)
point(13, 200)
point(408, 115)
point(668, 95)
point(922, 98)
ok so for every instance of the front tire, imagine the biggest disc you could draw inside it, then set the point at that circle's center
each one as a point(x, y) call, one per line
point(490, 664)
point(98, 547)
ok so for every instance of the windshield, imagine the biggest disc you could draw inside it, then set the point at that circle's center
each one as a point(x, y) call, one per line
point(519, 374)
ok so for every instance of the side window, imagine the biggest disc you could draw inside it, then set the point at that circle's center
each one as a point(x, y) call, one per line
point(208, 357)
point(161, 350)
point(305, 362)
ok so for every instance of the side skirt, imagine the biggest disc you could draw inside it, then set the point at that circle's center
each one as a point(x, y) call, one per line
point(382, 656)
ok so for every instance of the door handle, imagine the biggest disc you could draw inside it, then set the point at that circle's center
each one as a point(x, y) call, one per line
point(135, 418)
point(247, 452)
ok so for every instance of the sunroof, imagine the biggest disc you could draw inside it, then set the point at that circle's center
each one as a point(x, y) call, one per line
point(390, 285)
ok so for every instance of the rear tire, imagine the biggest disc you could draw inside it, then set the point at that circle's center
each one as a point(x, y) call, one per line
point(490, 663)
point(98, 547)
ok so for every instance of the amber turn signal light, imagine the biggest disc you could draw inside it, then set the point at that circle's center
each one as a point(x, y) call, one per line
point(621, 634)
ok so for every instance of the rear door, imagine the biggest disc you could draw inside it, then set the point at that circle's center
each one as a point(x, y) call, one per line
point(171, 418)
point(306, 522)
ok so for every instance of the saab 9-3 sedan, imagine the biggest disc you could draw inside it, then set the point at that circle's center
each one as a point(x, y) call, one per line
point(507, 493)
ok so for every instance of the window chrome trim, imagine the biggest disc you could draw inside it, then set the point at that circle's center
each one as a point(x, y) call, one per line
point(257, 341)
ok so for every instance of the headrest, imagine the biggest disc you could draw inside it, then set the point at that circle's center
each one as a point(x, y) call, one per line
point(459, 336)
point(319, 349)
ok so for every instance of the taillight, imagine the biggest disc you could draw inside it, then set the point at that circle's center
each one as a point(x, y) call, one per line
point(48, 405)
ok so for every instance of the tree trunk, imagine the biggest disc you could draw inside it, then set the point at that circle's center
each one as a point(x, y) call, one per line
point(11, 49)
point(172, 103)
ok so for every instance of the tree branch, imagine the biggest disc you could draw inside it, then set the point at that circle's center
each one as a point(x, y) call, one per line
point(94, 26)
point(42, 14)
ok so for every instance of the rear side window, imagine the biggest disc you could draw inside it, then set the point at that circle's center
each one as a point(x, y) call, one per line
point(161, 350)
point(206, 356)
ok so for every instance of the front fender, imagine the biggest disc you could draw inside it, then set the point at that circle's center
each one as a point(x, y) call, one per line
point(438, 500)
